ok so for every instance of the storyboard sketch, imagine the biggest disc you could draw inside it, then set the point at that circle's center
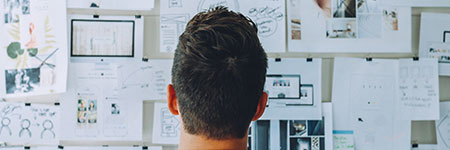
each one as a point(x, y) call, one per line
point(95, 107)
point(147, 80)
point(293, 134)
point(371, 112)
point(348, 26)
point(106, 38)
point(112, 4)
point(166, 126)
point(34, 61)
point(443, 126)
point(29, 124)
point(268, 15)
point(435, 39)
point(294, 93)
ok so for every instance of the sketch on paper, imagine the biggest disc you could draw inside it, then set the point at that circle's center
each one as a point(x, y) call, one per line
point(140, 73)
point(205, 5)
point(267, 19)
point(28, 123)
point(169, 124)
point(369, 19)
point(172, 26)
point(102, 38)
point(166, 127)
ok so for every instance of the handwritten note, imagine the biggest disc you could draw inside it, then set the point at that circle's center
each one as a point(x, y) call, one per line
point(419, 89)
point(343, 140)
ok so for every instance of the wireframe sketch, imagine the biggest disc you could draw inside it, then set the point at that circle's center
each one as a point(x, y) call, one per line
point(390, 19)
point(342, 28)
point(169, 124)
point(266, 19)
point(344, 8)
point(102, 38)
point(22, 81)
point(172, 26)
point(207, 4)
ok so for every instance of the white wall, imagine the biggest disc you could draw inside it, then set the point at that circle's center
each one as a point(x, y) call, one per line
point(423, 132)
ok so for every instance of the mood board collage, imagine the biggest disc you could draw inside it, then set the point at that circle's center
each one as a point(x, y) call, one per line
point(94, 65)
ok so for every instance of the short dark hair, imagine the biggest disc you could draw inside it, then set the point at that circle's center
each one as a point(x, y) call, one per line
point(219, 74)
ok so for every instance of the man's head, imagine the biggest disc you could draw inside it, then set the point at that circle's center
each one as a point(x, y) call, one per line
point(218, 75)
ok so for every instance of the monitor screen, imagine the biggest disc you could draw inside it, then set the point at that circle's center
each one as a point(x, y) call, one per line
point(102, 38)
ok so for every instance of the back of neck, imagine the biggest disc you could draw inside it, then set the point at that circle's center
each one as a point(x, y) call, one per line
point(189, 141)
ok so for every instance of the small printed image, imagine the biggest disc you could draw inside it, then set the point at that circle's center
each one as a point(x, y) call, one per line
point(390, 19)
point(324, 6)
point(341, 28)
point(297, 127)
point(26, 7)
point(344, 8)
point(81, 111)
point(296, 29)
point(92, 112)
point(12, 10)
point(303, 143)
point(304, 93)
point(316, 128)
point(115, 110)
point(22, 80)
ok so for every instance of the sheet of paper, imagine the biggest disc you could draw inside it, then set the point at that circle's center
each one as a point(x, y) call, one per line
point(106, 38)
point(342, 26)
point(282, 79)
point(112, 4)
point(146, 80)
point(370, 112)
point(293, 134)
point(418, 96)
point(269, 15)
point(425, 147)
point(13, 148)
point(343, 140)
point(44, 148)
point(29, 124)
point(95, 107)
point(34, 57)
point(166, 127)
point(443, 126)
point(435, 39)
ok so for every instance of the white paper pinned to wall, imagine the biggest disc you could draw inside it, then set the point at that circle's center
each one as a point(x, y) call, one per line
point(166, 127)
point(112, 4)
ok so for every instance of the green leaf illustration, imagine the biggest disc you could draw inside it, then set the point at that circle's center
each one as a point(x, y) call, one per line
point(14, 50)
point(32, 51)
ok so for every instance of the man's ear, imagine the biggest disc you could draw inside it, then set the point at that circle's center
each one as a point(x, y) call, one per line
point(172, 100)
point(261, 106)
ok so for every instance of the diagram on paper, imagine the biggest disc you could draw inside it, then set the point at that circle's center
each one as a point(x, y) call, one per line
point(28, 123)
point(166, 126)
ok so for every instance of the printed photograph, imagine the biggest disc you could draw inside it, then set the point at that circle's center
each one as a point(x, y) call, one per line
point(342, 28)
point(324, 7)
point(22, 80)
point(344, 8)
point(295, 17)
point(81, 113)
point(303, 143)
point(12, 10)
point(25, 7)
point(115, 110)
point(297, 127)
point(92, 112)
point(390, 19)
